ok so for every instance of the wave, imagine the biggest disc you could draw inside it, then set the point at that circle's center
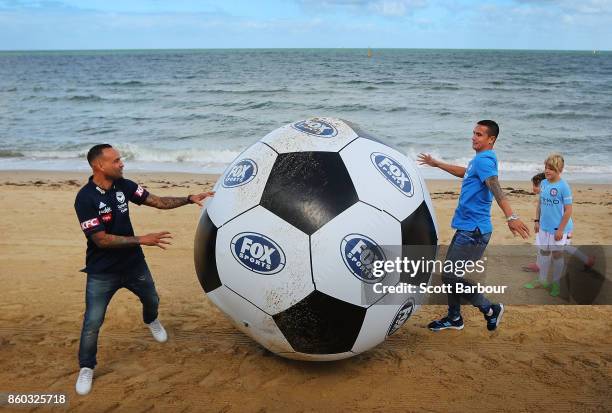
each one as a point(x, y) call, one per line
point(368, 82)
point(97, 131)
point(565, 116)
point(238, 92)
point(85, 98)
point(526, 167)
point(138, 153)
point(10, 154)
point(443, 87)
point(195, 159)
point(349, 107)
point(128, 83)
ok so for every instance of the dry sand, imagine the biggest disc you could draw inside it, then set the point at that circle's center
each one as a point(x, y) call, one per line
point(543, 358)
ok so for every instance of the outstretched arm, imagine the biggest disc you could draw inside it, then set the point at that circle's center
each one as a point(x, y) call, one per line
point(104, 240)
point(427, 159)
point(170, 202)
point(516, 225)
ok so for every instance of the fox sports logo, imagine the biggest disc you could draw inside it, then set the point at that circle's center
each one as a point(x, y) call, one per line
point(240, 173)
point(258, 253)
point(402, 315)
point(359, 254)
point(316, 127)
point(393, 172)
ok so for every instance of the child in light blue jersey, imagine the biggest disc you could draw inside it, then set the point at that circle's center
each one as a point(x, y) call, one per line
point(553, 222)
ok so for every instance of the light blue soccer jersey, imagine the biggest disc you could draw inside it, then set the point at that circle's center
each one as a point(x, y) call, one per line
point(553, 198)
point(474, 207)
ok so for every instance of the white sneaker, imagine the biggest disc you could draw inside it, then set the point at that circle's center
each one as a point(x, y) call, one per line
point(83, 384)
point(158, 331)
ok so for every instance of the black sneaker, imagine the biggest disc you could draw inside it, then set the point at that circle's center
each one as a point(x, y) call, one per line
point(445, 324)
point(494, 319)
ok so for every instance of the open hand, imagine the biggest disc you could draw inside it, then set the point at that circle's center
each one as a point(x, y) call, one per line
point(427, 159)
point(156, 239)
point(518, 227)
point(199, 198)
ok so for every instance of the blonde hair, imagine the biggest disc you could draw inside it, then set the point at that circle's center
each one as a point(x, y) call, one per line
point(555, 161)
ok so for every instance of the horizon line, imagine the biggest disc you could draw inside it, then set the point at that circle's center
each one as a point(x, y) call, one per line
point(298, 48)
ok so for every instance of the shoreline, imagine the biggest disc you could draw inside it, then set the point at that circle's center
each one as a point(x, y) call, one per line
point(83, 173)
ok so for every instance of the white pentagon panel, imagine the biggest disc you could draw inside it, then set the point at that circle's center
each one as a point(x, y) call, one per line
point(295, 355)
point(383, 177)
point(264, 259)
point(250, 320)
point(242, 184)
point(345, 248)
point(383, 319)
point(315, 134)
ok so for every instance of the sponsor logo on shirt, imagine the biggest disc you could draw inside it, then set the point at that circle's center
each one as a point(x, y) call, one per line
point(90, 223)
point(106, 218)
point(102, 205)
point(105, 210)
point(139, 191)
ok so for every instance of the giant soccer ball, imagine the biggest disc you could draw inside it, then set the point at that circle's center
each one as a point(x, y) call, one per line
point(286, 247)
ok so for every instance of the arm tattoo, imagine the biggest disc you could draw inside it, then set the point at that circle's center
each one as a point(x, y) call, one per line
point(494, 187)
point(104, 240)
point(165, 202)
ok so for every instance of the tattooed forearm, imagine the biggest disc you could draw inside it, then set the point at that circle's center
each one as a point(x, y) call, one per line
point(165, 202)
point(493, 184)
point(104, 240)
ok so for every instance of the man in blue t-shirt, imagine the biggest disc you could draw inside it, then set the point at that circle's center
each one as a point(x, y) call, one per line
point(472, 220)
point(114, 257)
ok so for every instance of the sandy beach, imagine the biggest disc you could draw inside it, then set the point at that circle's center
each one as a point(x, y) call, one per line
point(543, 358)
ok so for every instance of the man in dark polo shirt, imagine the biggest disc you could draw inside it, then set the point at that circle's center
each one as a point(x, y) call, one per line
point(114, 257)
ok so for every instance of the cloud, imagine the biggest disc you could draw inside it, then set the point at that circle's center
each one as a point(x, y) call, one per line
point(36, 5)
point(573, 6)
point(390, 8)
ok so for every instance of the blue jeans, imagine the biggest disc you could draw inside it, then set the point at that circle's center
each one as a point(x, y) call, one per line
point(99, 291)
point(466, 245)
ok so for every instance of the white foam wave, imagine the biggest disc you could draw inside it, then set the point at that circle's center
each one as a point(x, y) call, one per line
point(215, 160)
point(132, 152)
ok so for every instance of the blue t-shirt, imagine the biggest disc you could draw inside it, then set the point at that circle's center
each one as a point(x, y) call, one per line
point(474, 208)
point(107, 210)
point(553, 198)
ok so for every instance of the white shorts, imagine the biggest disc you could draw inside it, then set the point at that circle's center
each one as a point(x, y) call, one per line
point(546, 241)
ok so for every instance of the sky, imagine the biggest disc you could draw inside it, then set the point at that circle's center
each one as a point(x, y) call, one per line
point(184, 24)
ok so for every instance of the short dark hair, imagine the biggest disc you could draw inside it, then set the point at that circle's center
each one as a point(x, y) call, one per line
point(537, 178)
point(491, 125)
point(96, 151)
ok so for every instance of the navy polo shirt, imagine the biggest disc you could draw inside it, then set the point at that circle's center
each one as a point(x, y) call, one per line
point(107, 210)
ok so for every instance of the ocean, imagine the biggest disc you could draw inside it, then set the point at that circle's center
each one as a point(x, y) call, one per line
point(195, 110)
